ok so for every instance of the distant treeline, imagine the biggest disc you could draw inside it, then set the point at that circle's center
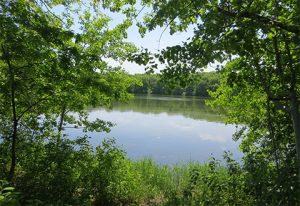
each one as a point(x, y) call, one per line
point(151, 83)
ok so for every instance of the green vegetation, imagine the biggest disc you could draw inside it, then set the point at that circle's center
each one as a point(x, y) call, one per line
point(53, 65)
point(258, 44)
point(72, 174)
point(48, 71)
point(200, 85)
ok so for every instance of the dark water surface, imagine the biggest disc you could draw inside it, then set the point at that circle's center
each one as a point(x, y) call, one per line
point(167, 129)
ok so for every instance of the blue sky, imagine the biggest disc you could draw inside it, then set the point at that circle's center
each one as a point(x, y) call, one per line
point(153, 41)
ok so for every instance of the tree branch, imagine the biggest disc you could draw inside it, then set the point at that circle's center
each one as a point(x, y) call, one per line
point(267, 90)
point(173, 19)
point(273, 22)
point(30, 107)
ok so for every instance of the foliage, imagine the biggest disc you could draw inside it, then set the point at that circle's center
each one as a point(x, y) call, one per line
point(55, 174)
point(195, 184)
point(154, 84)
point(72, 174)
point(113, 178)
point(48, 70)
point(157, 180)
point(268, 138)
point(7, 195)
point(258, 41)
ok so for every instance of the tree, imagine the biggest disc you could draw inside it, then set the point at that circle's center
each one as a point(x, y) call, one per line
point(26, 56)
point(268, 139)
point(48, 70)
point(262, 35)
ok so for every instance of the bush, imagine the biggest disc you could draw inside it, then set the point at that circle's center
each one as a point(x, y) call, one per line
point(70, 172)
point(8, 197)
point(54, 174)
point(195, 184)
point(114, 180)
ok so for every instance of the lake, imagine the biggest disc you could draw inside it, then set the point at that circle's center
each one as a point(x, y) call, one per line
point(168, 129)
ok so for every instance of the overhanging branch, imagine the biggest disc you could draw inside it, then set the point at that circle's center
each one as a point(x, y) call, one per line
point(273, 22)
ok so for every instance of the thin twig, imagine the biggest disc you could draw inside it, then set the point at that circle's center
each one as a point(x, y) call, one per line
point(172, 20)
point(53, 14)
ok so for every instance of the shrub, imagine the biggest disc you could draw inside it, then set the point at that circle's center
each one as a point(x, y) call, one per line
point(114, 180)
point(53, 174)
point(8, 197)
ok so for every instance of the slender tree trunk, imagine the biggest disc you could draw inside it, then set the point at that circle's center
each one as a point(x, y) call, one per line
point(13, 147)
point(14, 135)
point(273, 136)
point(295, 113)
point(296, 124)
point(61, 119)
point(15, 125)
point(61, 122)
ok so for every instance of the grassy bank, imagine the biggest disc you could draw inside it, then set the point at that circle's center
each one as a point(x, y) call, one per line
point(71, 173)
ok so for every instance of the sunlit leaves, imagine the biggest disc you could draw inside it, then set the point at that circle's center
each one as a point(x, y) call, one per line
point(53, 64)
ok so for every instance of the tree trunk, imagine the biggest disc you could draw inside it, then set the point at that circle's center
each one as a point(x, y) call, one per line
point(13, 151)
point(15, 125)
point(14, 135)
point(294, 111)
point(296, 125)
point(61, 122)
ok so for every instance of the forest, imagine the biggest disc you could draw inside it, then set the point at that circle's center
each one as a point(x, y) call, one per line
point(200, 85)
point(55, 61)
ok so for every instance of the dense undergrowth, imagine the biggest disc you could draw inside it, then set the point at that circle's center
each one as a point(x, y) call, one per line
point(69, 172)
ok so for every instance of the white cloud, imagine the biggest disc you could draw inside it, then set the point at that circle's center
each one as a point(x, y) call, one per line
point(185, 127)
point(213, 137)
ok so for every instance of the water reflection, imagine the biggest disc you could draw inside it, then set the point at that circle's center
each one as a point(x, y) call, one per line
point(169, 130)
point(191, 107)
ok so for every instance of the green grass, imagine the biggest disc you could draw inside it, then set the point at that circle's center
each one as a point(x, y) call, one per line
point(190, 184)
point(107, 177)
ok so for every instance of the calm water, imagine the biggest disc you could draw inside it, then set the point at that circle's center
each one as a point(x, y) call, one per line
point(167, 129)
